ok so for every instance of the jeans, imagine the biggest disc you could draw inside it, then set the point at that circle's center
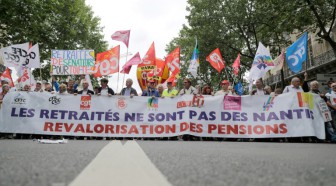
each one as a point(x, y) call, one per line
point(330, 132)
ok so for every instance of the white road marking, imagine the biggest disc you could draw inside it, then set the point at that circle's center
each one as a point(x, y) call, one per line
point(121, 165)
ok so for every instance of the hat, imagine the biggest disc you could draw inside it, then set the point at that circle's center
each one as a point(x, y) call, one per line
point(151, 81)
point(170, 81)
point(225, 82)
point(104, 80)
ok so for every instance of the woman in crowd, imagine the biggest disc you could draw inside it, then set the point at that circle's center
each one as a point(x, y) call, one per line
point(207, 90)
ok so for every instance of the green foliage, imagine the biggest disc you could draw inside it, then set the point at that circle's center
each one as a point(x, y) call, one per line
point(238, 26)
point(54, 24)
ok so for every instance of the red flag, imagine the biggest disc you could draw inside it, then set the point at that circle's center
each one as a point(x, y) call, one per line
point(173, 61)
point(236, 65)
point(135, 60)
point(6, 75)
point(149, 58)
point(126, 70)
point(24, 77)
point(172, 78)
point(160, 65)
point(122, 35)
point(216, 60)
point(107, 62)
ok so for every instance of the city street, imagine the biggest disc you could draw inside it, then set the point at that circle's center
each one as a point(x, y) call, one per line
point(87, 162)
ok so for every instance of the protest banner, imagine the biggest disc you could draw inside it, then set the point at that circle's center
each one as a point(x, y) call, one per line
point(287, 115)
point(72, 62)
point(21, 55)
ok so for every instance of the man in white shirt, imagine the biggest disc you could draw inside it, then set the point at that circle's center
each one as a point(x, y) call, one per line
point(187, 88)
point(225, 88)
point(105, 89)
point(129, 90)
point(259, 88)
point(294, 87)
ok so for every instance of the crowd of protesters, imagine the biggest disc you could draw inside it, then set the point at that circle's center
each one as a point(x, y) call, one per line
point(157, 90)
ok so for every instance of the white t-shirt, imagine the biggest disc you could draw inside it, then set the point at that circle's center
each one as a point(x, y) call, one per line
point(291, 88)
point(191, 90)
point(222, 92)
point(260, 92)
point(332, 97)
point(104, 91)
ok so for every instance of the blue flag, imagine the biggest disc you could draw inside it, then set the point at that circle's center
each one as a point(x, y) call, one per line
point(239, 88)
point(296, 54)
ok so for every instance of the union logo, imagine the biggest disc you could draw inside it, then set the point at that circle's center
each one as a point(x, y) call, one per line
point(85, 103)
point(121, 103)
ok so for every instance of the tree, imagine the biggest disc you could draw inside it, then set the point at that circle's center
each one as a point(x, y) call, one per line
point(54, 24)
point(238, 26)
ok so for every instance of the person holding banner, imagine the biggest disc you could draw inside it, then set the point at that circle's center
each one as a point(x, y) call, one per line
point(129, 90)
point(259, 88)
point(187, 88)
point(26, 88)
point(294, 87)
point(85, 89)
point(151, 90)
point(63, 89)
point(72, 86)
point(48, 87)
point(207, 90)
point(170, 91)
point(38, 87)
point(330, 131)
point(105, 89)
point(225, 88)
point(160, 89)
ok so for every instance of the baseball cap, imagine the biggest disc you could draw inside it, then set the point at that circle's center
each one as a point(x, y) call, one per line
point(225, 82)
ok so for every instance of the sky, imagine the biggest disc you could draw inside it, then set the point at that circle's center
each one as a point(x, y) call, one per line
point(149, 20)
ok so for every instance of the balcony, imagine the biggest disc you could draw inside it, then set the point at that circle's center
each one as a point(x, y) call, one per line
point(324, 63)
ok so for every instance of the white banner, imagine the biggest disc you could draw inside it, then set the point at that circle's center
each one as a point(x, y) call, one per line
point(287, 115)
point(20, 55)
point(72, 62)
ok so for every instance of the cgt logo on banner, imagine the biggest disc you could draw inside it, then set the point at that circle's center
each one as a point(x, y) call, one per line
point(197, 101)
point(121, 103)
point(85, 103)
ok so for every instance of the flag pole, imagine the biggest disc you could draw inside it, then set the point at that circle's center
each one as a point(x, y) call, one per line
point(123, 81)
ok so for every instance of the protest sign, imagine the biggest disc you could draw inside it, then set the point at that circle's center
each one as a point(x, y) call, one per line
point(72, 62)
point(287, 115)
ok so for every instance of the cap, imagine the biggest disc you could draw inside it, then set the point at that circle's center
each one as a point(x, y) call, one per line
point(170, 81)
point(151, 81)
point(225, 82)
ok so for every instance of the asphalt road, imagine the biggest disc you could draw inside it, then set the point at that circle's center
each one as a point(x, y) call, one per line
point(25, 162)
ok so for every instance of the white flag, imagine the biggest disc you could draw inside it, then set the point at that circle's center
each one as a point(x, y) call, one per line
point(261, 64)
point(15, 55)
point(33, 60)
